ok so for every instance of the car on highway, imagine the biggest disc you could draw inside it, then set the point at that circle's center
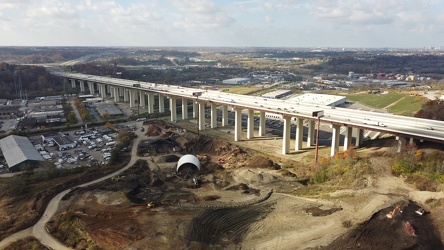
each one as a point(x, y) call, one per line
point(430, 128)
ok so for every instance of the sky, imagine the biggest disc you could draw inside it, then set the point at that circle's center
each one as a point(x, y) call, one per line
point(226, 23)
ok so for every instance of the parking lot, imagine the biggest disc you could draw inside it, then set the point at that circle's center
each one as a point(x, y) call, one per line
point(89, 148)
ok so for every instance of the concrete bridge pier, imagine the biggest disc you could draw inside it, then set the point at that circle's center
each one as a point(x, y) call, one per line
point(102, 91)
point(142, 99)
point(224, 116)
point(401, 143)
point(286, 135)
point(91, 88)
point(299, 133)
point(116, 95)
point(359, 136)
point(250, 124)
point(161, 103)
point(173, 108)
point(348, 138)
point(125, 95)
point(184, 108)
point(195, 109)
point(150, 104)
point(201, 114)
point(336, 131)
point(82, 86)
point(311, 133)
point(73, 83)
point(237, 124)
point(262, 123)
point(213, 110)
point(132, 98)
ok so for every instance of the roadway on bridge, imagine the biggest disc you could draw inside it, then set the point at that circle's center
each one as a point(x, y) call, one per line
point(403, 126)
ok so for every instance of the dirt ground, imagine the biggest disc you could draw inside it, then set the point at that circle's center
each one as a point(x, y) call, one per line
point(246, 198)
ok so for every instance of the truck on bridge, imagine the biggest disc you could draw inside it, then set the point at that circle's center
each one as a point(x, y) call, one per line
point(376, 123)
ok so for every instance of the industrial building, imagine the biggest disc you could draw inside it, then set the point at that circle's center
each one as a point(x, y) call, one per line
point(319, 99)
point(19, 153)
point(277, 94)
point(8, 110)
point(63, 142)
point(108, 109)
point(236, 81)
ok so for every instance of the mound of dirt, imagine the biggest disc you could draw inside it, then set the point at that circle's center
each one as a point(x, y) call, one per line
point(166, 158)
point(153, 130)
point(259, 161)
point(380, 232)
point(187, 140)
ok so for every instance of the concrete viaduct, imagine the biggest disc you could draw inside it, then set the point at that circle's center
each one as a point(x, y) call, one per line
point(352, 122)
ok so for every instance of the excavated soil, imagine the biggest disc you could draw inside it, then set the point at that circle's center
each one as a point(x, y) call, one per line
point(241, 201)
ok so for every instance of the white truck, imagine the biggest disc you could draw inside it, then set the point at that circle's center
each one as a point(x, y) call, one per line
point(376, 123)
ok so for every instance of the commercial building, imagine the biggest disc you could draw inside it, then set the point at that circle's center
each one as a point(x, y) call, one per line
point(19, 153)
point(63, 142)
point(108, 109)
point(236, 81)
point(277, 94)
point(319, 99)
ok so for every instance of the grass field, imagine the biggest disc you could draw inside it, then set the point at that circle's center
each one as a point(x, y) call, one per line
point(407, 105)
point(397, 103)
point(242, 90)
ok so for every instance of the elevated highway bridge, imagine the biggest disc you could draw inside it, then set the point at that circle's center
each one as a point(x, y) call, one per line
point(145, 94)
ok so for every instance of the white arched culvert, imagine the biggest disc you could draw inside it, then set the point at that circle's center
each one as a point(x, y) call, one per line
point(188, 159)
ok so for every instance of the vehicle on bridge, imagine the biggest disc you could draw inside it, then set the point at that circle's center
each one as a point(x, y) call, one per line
point(376, 123)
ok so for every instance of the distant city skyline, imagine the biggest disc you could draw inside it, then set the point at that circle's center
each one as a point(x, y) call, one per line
point(243, 23)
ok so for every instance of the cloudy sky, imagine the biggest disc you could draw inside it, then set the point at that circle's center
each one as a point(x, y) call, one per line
point(271, 23)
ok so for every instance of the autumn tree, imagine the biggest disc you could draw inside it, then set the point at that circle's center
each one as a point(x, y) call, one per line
point(433, 109)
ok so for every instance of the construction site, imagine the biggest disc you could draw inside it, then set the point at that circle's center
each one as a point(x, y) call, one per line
point(243, 196)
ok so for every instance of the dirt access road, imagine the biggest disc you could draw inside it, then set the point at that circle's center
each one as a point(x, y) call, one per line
point(39, 229)
point(208, 217)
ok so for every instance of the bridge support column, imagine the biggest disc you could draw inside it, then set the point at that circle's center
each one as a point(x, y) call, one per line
point(126, 93)
point(121, 90)
point(161, 103)
point(311, 133)
point(173, 108)
point(224, 116)
point(348, 138)
point(213, 116)
point(116, 95)
point(411, 141)
point(237, 124)
point(82, 86)
point(91, 88)
point(201, 114)
point(286, 136)
point(150, 102)
point(111, 91)
point(142, 99)
point(359, 136)
point(262, 123)
point(184, 108)
point(299, 133)
point(132, 98)
point(102, 91)
point(195, 109)
point(73, 83)
point(250, 124)
point(401, 143)
point(336, 130)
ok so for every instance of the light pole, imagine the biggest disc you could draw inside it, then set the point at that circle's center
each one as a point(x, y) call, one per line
point(317, 114)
